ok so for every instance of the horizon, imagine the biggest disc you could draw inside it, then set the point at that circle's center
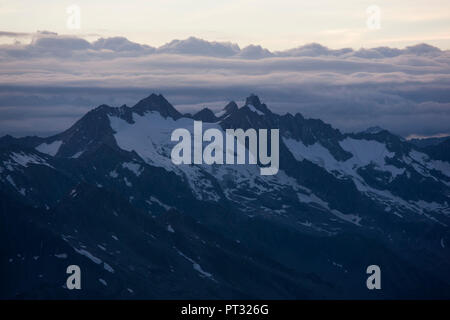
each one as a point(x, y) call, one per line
point(276, 25)
point(216, 108)
point(16, 39)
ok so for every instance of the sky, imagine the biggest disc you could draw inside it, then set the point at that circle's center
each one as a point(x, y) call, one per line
point(274, 24)
point(55, 67)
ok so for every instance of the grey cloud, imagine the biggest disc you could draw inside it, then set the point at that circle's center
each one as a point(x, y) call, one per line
point(60, 77)
point(200, 47)
point(254, 52)
point(314, 50)
point(195, 46)
point(51, 44)
point(13, 34)
point(121, 44)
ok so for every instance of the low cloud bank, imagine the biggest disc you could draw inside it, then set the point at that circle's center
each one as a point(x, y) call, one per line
point(47, 84)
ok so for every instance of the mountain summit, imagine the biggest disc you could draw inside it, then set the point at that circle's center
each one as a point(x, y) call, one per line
point(156, 103)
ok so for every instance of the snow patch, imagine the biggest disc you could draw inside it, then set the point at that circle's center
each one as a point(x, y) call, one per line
point(133, 167)
point(108, 267)
point(312, 198)
point(155, 200)
point(78, 154)
point(22, 191)
point(24, 159)
point(365, 152)
point(113, 174)
point(50, 148)
point(197, 267)
point(88, 255)
point(253, 109)
point(127, 183)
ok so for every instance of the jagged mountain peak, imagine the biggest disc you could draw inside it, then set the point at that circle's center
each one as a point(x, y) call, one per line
point(373, 130)
point(231, 106)
point(156, 102)
point(205, 115)
point(229, 109)
point(253, 114)
point(254, 101)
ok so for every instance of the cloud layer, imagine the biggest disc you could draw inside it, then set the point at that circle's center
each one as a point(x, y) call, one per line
point(47, 84)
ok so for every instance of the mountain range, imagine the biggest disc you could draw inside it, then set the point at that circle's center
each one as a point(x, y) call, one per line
point(105, 195)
